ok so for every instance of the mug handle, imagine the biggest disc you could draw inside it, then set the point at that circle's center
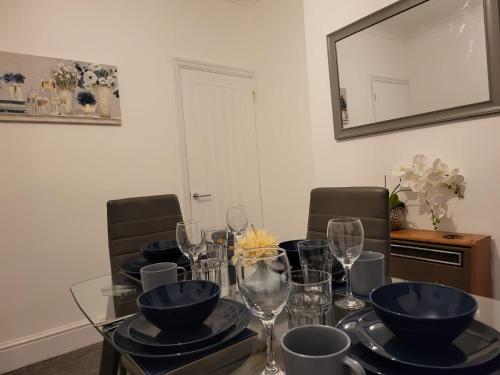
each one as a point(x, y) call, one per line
point(354, 365)
point(183, 272)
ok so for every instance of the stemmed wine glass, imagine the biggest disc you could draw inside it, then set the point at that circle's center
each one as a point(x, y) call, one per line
point(347, 237)
point(237, 220)
point(190, 239)
point(264, 285)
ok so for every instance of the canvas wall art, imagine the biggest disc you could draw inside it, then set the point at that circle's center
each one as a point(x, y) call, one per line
point(45, 89)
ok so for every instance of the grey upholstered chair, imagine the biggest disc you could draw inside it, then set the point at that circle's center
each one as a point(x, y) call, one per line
point(133, 222)
point(370, 204)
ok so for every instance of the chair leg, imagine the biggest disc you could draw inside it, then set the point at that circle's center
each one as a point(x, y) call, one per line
point(121, 370)
point(110, 359)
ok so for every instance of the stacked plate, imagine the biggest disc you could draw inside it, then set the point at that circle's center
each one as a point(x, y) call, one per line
point(133, 268)
point(138, 337)
point(416, 327)
point(377, 349)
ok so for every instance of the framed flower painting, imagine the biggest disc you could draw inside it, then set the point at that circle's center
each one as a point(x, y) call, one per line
point(44, 89)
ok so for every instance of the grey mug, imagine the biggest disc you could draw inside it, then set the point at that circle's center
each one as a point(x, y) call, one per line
point(318, 350)
point(158, 274)
point(368, 273)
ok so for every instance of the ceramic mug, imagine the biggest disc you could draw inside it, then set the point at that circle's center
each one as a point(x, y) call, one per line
point(368, 273)
point(318, 350)
point(158, 274)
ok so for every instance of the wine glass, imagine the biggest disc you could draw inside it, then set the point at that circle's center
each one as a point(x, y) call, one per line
point(190, 239)
point(347, 237)
point(237, 219)
point(264, 285)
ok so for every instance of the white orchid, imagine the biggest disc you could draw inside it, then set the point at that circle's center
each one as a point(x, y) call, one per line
point(435, 185)
point(400, 169)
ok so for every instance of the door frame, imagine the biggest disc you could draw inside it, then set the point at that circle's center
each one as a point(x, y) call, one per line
point(182, 63)
point(396, 81)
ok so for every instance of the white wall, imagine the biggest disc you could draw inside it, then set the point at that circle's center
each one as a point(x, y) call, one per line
point(282, 116)
point(361, 56)
point(470, 145)
point(56, 179)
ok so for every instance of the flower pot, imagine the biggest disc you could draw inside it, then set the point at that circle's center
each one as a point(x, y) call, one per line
point(103, 96)
point(396, 217)
point(13, 92)
point(88, 109)
point(19, 94)
point(66, 101)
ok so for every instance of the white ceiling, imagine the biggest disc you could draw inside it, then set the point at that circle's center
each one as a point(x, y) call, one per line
point(247, 3)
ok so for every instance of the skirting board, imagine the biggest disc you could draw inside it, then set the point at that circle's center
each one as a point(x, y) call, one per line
point(21, 352)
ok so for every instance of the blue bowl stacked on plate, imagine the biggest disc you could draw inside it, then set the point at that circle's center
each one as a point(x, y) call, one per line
point(155, 252)
point(433, 314)
point(180, 320)
point(181, 304)
point(161, 251)
point(415, 326)
point(292, 252)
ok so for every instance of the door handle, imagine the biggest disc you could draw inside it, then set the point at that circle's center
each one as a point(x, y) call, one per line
point(196, 195)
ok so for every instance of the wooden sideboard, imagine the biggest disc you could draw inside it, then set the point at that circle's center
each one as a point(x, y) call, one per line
point(456, 259)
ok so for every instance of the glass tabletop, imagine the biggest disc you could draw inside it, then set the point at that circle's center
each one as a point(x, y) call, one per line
point(108, 299)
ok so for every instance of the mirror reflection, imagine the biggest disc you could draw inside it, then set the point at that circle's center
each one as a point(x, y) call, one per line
point(428, 58)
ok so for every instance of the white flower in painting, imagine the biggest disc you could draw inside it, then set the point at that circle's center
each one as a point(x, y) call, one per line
point(89, 78)
point(95, 67)
point(110, 81)
point(102, 81)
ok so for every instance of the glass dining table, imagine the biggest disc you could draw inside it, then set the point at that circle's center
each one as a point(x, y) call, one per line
point(109, 299)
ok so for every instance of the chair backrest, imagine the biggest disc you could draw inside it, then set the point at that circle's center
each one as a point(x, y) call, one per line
point(370, 204)
point(133, 222)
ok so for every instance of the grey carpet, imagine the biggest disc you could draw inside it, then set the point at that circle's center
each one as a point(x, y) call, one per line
point(83, 361)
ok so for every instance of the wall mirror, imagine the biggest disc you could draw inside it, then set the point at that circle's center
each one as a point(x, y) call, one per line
point(413, 63)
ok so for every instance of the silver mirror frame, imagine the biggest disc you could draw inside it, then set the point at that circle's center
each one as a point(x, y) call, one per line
point(492, 27)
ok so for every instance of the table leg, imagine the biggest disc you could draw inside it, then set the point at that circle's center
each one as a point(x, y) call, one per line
point(110, 359)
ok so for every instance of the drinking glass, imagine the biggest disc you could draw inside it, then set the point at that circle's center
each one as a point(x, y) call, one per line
point(316, 255)
point(237, 220)
point(310, 299)
point(190, 237)
point(209, 261)
point(264, 285)
point(219, 235)
point(347, 237)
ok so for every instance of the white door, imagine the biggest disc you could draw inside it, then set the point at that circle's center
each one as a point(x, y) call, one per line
point(390, 99)
point(221, 145)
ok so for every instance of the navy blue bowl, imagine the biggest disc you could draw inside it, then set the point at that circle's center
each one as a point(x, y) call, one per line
point(423, 312)
point(181, 304)
point(292, 252)
point(161, 251)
